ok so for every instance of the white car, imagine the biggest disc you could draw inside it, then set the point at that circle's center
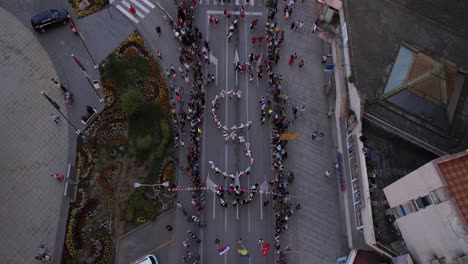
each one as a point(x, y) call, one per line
point(148, 259)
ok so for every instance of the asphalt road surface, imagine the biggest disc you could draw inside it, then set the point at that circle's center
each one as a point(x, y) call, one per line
point(252, 221)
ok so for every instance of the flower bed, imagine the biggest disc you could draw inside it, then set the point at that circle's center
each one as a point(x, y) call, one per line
point(95, 6)
point(90, 226)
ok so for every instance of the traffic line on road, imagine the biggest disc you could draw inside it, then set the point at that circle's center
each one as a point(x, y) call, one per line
point(221, 12)
point(214, 60)
point(125, 3)
point(140, 6)
point(155, 249)
point(226, 117)
point(127, 14)
point(148, 3)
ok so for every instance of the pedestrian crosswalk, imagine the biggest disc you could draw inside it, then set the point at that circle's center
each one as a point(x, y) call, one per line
point(231, 2)
point(142, 8)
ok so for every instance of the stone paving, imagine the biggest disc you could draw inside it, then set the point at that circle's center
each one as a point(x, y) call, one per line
point(33, 147)
point(317, 233)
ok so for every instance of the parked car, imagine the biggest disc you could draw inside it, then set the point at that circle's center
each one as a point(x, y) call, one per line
point(48, 18)
point(148, 259)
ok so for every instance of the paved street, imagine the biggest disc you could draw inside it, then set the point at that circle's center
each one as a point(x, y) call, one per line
point(314, 233)
point(253, 221)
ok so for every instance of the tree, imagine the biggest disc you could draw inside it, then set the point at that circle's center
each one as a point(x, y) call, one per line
point(132, 102)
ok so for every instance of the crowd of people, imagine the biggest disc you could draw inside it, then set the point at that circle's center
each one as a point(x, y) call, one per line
point(193, 53)
point(273, 105)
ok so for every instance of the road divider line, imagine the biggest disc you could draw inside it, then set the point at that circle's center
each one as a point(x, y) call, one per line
point(155, 249)
point(226, 117)
point(220, 12)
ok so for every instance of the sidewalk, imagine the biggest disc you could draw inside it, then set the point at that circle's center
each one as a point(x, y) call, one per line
point(33, 147)
point(316, 234)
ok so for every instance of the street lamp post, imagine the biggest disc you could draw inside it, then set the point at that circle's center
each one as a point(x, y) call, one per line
point(85, 73)
point(57, 107)
point(82, 41)
point(156, 191)
point(137, 184)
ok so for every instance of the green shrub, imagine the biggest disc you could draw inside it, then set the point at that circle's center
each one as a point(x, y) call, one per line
point(144, 143)
point(132, 102)
point(165, 137)
point(130, 214)
point(136, 202)
point(150, 211)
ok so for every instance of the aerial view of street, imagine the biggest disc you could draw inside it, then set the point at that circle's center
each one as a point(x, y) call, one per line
point(234, 131)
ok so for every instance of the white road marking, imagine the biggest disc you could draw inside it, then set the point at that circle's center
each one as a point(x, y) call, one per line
point(148, 3)
point(247, 113)
point(263, 188)
point(226, 119)
point(247, 107)
point(214, 206)
point(221, 12)
point(142, 7)
point(125, 3)
point(126, 13)
point(214, 60)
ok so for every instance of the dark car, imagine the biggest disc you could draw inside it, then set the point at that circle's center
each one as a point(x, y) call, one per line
point(48, 18)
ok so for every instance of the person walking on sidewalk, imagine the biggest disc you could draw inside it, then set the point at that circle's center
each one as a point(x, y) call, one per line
point(291, 60)
point(158, 30)
point(314, 135)
point(54, 118)
point(301, 24)
point(132, 10)
point(301, 64)
point(293, 25)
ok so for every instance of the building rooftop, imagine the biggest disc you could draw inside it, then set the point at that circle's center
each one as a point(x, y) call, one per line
point(426, 217)
point(410, 65)
point(455, 174)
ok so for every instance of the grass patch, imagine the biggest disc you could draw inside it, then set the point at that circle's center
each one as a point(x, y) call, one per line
point(146, 123)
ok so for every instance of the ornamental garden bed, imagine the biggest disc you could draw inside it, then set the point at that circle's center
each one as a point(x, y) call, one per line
point(130, 141)
point(84, 8)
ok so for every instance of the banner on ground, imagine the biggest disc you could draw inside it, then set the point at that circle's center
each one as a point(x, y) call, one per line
point(223, 250)
point(265, 248)
point(243, 253)
point(288, 136)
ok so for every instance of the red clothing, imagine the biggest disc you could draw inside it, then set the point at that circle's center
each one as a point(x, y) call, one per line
point(291, 60)
point(132, 10)
point(260, 39)
point(254, 39)
point(211, 20)
point(216, 20)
